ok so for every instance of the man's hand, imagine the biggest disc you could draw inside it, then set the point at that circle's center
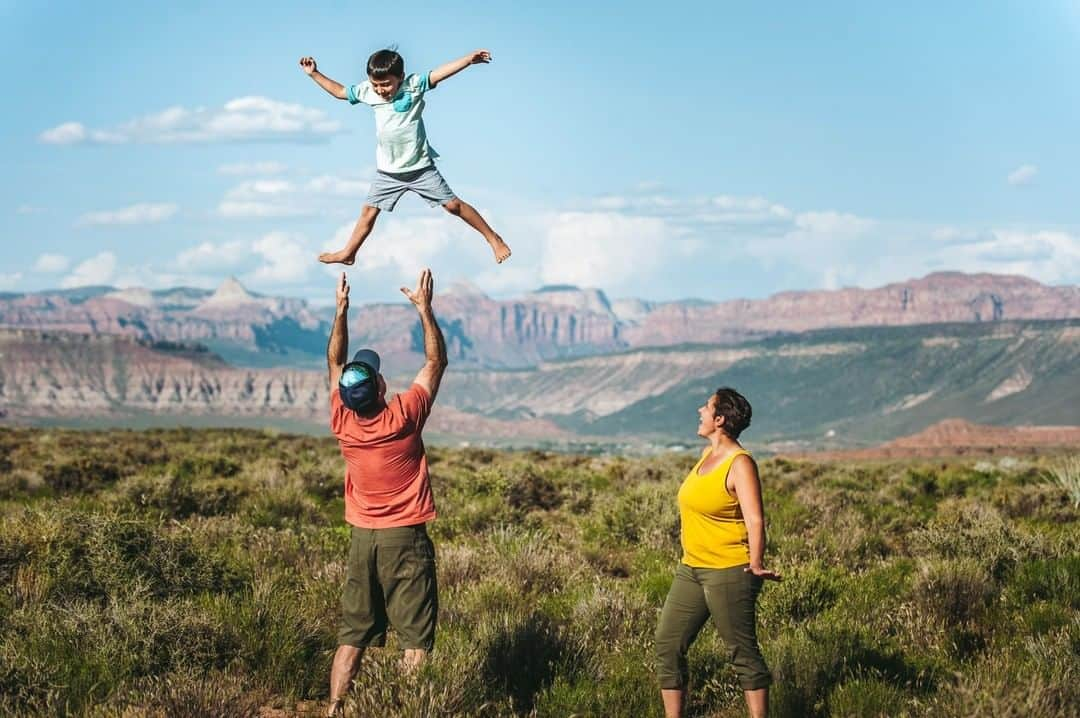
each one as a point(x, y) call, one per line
point(478, 57)
point(425, 287)
point(307, 64)
point(342, 293)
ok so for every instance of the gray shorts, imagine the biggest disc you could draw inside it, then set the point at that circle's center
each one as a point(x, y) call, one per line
point(387, 187)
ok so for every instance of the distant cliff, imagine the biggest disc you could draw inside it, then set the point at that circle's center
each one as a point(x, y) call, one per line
point(552, 323)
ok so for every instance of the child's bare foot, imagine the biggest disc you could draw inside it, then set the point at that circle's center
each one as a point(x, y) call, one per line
point(341, 257)
point(501, 249)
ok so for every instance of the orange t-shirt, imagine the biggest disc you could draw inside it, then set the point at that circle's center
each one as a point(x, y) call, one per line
point(386, 469)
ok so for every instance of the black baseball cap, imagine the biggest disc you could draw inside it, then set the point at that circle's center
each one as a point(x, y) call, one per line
point(359, 382)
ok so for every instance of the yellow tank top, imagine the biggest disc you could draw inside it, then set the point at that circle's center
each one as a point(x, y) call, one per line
point(713, 531)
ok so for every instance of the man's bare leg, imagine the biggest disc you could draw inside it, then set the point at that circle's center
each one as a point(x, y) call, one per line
point(346, 663)
point(673, 702)
point(467, 212)
point(359, 234)
point(412, 659)
point(758, 702)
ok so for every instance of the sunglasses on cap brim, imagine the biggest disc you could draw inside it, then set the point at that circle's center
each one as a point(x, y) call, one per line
point(356, 372)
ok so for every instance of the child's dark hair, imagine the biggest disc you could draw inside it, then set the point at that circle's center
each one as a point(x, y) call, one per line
point(384, 64)
point(735, 409)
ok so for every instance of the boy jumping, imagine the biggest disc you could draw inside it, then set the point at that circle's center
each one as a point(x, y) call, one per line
point(404, 159)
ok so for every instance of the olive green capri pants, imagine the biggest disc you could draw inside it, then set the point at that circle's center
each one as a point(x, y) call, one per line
point(728, 596)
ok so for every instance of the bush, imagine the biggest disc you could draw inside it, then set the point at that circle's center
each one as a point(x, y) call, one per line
point(84, 473)
point(804, 593)
point(866, 698)
point(187, 694)
point(179, 498)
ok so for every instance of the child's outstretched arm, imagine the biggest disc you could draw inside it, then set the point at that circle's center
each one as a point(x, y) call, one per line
point(442, 72)
point(307, 64)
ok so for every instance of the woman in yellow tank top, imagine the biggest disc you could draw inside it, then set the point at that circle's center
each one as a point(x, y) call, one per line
point(723, 562)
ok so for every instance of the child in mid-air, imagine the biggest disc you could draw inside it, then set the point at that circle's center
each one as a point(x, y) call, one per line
point(404, 159)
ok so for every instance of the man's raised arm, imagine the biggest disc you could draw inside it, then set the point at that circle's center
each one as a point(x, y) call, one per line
point(337, 350)
point(430, 375)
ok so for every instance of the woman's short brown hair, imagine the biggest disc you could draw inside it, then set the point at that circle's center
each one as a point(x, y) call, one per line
point(735, 409)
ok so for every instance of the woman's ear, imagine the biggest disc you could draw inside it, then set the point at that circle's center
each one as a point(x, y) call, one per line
point(719, 421)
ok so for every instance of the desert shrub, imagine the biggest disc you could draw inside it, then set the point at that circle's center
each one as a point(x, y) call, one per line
point(804, 593)
point(532, 491)
point(186, 694)
point(323, 477)
point(1045, 502)
point(529, 561)
point(866, 698)
point(282, 508)
point(1065, 474)
point(873, 594)
point(83, 473)
point(644, 514)
point(1053, 579)
point(175, 497)
point(1035, 677)
point(954, 592)
point(285, 632)
point(613, 619)
point(624, 685)
point(458, 565)
point(449, 685)
point(523, 654)
point(807, 662)
point(94, 556)
point(971, 528)
point(20, 482)
point(1042, 617)
point(203, 466)
point(848, 537)
point(76, 655)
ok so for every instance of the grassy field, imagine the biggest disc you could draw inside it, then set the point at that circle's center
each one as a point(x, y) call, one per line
point(197, 573)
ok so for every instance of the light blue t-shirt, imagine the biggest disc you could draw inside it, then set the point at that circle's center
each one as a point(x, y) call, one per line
point(402, 140)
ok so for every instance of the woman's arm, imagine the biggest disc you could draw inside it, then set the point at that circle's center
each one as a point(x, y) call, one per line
point(747, 487)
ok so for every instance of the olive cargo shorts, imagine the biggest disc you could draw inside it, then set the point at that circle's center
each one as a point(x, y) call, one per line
point(391, 582)
point(729, 596)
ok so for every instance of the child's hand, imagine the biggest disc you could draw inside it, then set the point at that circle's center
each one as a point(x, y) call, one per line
point(480, 56)
point(307, 64)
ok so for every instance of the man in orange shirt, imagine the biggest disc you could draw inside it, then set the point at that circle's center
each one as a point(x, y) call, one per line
point(391, 571)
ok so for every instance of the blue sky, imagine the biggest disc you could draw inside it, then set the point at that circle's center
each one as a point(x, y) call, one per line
point(714, 150)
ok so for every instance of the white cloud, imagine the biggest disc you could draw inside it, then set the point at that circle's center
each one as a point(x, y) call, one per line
point(254, 199)
point(51, 263)
point(832, 223)
point(1047, 255)
point(208, 256)
point(143, 213)
point(284, 258)
point(337, 186)
point(240, 120)
point(404, 246)
point(259, 210)
point(1022, 175)
point(604, 249)
point(252, 168)
point(28, 209)
point(261, 199)
point(10, 281)
point(65, 134)
point(99, 269)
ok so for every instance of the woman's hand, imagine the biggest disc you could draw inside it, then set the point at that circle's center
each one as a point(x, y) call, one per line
point(762, 572)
